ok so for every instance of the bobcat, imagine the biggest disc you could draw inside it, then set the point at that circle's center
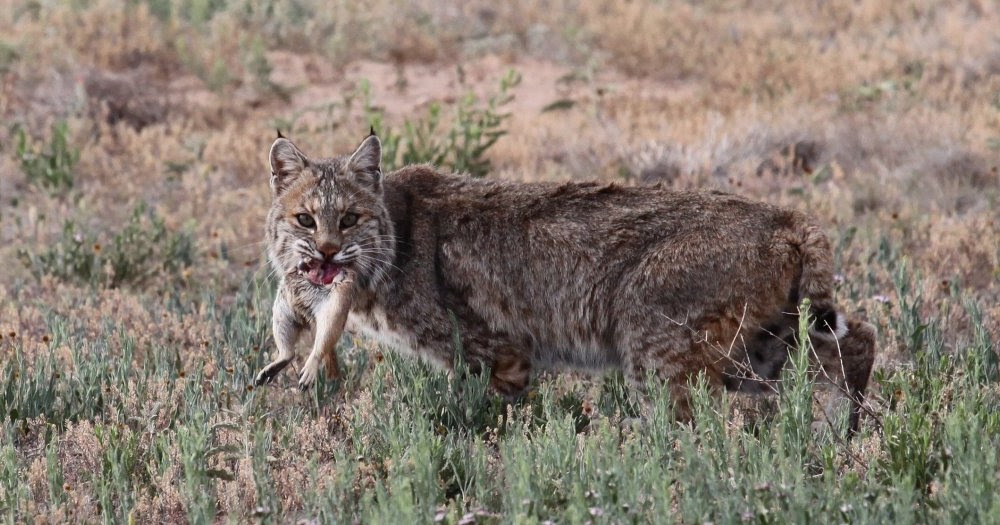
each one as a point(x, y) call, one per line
point(542, 275)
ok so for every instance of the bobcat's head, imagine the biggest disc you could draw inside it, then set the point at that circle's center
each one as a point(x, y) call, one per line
point(327, 220)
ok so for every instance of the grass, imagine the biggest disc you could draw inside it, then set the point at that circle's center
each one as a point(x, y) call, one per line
point(475, 128)
point(409, 443)
point(51, 165)
point(134, 307)
point(144, 249)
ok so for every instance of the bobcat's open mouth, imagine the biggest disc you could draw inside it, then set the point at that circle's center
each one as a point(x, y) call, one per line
point(320, 273)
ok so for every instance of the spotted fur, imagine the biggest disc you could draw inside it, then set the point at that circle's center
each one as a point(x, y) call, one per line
point(545, 275)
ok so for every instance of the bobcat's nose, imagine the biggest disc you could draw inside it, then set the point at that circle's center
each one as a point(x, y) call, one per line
point(328, 248)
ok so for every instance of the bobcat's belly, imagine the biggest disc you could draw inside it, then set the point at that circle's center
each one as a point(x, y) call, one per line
point(375, 325)
point(583, 355)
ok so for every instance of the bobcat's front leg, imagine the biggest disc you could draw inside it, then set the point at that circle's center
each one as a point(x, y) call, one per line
point(287, 328)
point(331, 317)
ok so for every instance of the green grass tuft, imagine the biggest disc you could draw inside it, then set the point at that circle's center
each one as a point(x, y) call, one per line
point(475, 126)
point(51, 165)
point(144, 249)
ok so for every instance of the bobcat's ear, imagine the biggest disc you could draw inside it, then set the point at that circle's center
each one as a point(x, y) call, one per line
point(366, 163)
point(287, 162)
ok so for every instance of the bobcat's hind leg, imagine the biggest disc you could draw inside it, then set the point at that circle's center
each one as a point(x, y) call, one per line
point(287, 329)
point(857, 350)
point(758, 371)
point(672, 356)
point(850, 360)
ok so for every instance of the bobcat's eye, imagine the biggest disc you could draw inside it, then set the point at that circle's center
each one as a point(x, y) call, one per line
point(348, 220)
point(305, 220)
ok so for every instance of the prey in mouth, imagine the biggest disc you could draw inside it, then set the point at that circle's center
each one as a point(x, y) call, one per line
point(321, 272)
point(326, 265)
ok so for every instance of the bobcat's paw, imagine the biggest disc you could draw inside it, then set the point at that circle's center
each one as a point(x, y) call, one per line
point(268, 373)
point(308, 375)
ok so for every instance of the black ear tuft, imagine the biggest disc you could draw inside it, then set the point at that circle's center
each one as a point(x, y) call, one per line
point(280, 136)
point(287, 162)
point(366, 163)
point(371, 132)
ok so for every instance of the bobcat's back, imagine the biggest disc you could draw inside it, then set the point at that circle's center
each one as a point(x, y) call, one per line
point(569, 271)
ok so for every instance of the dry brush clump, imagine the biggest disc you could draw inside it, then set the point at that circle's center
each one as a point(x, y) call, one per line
point(128, 398)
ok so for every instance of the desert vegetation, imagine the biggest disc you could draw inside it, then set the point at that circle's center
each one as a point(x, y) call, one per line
point(134, 298)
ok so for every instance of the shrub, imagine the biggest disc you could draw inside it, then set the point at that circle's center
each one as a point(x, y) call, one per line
point(51, 165)
point(475, 128)
point(142, 250)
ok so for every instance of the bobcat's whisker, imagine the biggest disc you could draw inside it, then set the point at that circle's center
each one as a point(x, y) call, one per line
point(376, 267)
point(381, 262)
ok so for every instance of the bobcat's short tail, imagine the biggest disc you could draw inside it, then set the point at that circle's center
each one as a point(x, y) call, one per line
point(816, 283)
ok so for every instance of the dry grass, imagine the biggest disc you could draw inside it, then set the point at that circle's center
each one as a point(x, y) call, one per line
point(881, 118)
